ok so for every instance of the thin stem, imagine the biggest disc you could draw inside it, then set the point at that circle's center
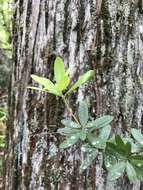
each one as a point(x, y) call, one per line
point(70, 110)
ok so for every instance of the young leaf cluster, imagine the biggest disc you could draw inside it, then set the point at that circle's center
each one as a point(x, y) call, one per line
point(122, 156)
point(62, 80)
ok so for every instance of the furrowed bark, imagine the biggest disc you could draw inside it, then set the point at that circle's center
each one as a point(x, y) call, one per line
point(103, 35)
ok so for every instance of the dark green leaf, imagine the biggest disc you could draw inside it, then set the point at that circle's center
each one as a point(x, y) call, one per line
point(83, 113)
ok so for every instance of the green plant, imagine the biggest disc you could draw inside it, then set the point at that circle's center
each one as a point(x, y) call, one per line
point(120, 154)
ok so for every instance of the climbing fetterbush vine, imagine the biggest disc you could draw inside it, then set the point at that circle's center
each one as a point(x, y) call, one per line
point(122, 156)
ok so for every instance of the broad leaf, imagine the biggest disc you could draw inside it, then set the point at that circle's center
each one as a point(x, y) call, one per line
point(116, 171)
point(83, 79)
point(68, 131)
point(96, 141)
point(59, 70)
point(100, 122)
point(105, 133)
point(63, 84)
point(131, 172)
point(69, 123)
point(83, 113)
point(48, 85)
point(69, 141)
point(137, 136)
point(109, 161)
point(90, 157)
point(83, 135)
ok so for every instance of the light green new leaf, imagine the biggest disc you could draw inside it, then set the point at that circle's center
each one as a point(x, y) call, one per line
point(83, 79)
point(83, 113)
point(100, 122)
point(59, 70)
point(48, 85)
point(137, 136)
point(70, 141)
point(116, 171)
point(131, 172)
point(43, 81)
point(63, 84)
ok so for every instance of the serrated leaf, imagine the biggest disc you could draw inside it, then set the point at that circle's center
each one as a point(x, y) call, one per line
point(90, 157)
point(83, 79)
point(100, 122)
point(137, 136)
point(69, 123)
point(83, 113)
point(59, 70)
point(131, 173)
point(116, 171)
point(70, 141)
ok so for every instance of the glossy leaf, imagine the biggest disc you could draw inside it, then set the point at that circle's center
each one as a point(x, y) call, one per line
point(68, 131)
point(90, 157)
point(131, 172)
point(100, 122)
point(137, 136)
point(59, 70)
point(105, 133)
point(96, 141)
point(83, 113)
point(116, 171)
point(69, 123)
point(83, 79)
point(70, 141)
point(109, 161)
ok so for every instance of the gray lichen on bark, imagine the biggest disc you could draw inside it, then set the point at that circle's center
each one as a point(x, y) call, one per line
point(102, 35)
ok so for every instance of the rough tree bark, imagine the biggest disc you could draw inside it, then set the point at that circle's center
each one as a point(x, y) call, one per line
point(105, 35)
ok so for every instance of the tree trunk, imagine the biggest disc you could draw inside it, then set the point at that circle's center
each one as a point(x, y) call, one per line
point(105, 35)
